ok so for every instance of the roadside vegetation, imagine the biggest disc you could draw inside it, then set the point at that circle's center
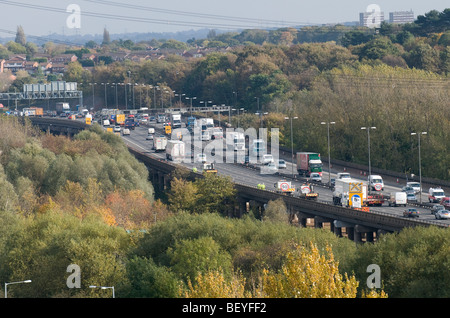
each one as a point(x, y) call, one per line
point(58, 208)
point(88, 201)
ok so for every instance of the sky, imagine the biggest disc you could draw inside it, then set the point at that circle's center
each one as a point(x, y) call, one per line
point(45, 17)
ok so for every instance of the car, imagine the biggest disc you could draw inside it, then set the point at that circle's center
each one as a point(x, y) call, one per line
point(126, 132)
point(269, 168)
point(408, 189)
point(281, 164)
point(411, 197)
point(266, 159)
point(414, 185)
point(149, 137)
point(117, 128)
point(343, 175)
point(201, 157)
point(445, 202)
point(314, 176)
point(436, 208)
point(411, 212)
point(332, 182)
point(442, 214)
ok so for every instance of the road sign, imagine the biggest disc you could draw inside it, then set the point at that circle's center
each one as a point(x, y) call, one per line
point(356, 200)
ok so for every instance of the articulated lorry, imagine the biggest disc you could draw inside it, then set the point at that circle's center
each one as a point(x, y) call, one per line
point(350, 192)
point(62, 108)
point(175, 150)
point(235, 141)
point(308, 162)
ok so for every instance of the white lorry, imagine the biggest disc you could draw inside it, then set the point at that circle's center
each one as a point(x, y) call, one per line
point(175, 150)
point(235, 141)
point(397, 199)
point(159, 143)
point(175, 119)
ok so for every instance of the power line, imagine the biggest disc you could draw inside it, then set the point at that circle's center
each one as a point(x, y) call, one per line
point(117, 17)
point(196, 14)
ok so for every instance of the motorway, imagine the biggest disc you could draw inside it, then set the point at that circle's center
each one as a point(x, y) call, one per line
point(250, 176)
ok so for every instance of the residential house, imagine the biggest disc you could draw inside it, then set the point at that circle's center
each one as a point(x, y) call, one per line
point(14, 65)
point(58, 68)
point(64, 58)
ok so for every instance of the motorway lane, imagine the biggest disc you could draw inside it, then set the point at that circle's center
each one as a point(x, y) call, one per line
point(251, 177)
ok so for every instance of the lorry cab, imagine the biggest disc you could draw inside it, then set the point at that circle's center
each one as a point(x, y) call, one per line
point(376, 183)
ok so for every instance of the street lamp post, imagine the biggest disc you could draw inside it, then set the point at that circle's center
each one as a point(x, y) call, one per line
point(292, 144)
point(420, 163)
point(368, 142)
point(21, 282)
point(105, 287)
point(191, 98)
point(329, 153)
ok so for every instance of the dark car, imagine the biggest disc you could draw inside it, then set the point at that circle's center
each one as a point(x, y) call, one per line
point(412, 213)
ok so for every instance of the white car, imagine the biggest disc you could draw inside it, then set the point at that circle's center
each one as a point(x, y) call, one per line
point(442, 214)
point(125, 132)
point(266, 159)
point(414, 185)
point(117, 128)
point(149, 137)
point(269, 168)
point(281, 164)
point(315, 176)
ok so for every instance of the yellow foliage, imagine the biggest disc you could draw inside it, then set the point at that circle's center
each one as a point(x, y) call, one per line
point(213, 284)
point(308, 275)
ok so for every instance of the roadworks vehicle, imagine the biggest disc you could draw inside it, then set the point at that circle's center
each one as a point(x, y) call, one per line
point(348, 190)
point(306, 191)
point(208, 168)
point(284, 187)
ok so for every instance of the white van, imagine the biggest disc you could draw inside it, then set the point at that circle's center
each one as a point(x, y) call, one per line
point(106, 123)
point(125, 132)
point(151, 130)
point(376, 183)
point(398, 198)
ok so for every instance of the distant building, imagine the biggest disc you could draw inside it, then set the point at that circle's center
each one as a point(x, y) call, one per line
point(400, 17)
point(371, 19)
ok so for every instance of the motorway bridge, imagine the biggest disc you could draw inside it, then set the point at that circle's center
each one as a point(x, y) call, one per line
point(354, 224)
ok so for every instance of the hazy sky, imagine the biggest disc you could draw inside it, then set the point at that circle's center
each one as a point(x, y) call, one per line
point(50, 16)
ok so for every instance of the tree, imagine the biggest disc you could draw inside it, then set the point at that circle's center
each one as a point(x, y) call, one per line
point(20, 36)
point(308, 275)
point(106, 37)
point(276, 211)
point(146, 279)
point(214, 284)
point(215, 193)
point(183, 196)
point(193, 256)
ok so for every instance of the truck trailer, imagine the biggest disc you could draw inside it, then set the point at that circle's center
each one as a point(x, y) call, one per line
point(175, 150)
point(308, 162)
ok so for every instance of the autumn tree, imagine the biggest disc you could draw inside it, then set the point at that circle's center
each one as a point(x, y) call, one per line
point(308, 275)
